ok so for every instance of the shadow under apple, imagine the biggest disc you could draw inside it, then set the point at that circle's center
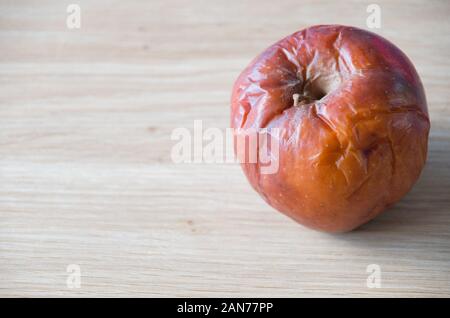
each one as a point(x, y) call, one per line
point(420, 222)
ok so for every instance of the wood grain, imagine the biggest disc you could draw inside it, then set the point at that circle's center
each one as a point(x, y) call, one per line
point(86, 174)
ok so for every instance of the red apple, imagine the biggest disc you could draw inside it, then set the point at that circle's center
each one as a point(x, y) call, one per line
point(353, 119)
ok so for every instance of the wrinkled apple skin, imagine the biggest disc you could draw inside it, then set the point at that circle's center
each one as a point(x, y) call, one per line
point(357, 142)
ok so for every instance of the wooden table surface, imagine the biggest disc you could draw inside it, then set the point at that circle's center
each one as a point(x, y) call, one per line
point(87, 178)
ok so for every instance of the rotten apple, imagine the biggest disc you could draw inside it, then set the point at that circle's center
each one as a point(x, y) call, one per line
point(353, 122)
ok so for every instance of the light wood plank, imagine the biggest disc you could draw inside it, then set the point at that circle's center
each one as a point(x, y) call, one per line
point(86, 175)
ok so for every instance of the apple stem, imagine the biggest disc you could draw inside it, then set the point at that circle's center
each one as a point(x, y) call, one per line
point(296, 97)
